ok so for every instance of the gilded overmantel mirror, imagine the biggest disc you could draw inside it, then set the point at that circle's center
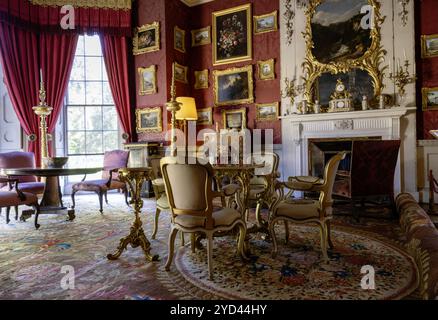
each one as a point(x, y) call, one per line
point(343, 41)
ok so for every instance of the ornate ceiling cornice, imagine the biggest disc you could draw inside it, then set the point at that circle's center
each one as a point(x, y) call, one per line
point(101, 4)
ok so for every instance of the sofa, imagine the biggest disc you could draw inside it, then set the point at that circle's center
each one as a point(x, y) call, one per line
point(422, 243)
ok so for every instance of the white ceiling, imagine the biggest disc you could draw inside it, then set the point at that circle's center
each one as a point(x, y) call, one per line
point(192, 3)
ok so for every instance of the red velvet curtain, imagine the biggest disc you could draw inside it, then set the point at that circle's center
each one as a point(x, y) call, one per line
point(19, 57)
point(57, 53)
point(115, 53)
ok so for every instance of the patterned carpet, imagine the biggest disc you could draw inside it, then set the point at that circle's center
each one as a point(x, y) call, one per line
point(32, 262)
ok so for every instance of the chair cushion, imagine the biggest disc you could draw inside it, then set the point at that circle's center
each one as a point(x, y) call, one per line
point(254, 191)
point(96, 185)
point(31, 187)
point(298, 209)
point(223, 217)
point(163, 203)
point(303, 183)
point(11, 199)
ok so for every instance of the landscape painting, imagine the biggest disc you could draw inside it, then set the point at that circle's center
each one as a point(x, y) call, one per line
point(337, 31)
point(149, 120)
point(430, 98)
point(358, 83)
point(233, 86)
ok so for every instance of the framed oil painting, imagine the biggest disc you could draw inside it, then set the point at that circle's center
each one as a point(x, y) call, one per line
point(148, 80)
point(434, 133)
point(179, 37)
point(181, 73)
point(429, 46)
point(201, 79)
point(267, 112)
point(234, 119)
point(147, 38)
point(430, 98)
point(266, 69)
point(201, 37)
point(233, 86)
point(266, 23)
point(149, 120)
point(232, 35)
point(205, 117)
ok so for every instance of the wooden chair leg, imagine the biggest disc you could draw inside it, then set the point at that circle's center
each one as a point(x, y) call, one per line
point(241, 242)
point(171, 247)
point(73, 198)
point(37, 213)
point(193, 242)
point(323, 229)
point(273, 237)
point(329, 235)
point(183, 241)
point(210, 255)
point(8, 211)
point(106, 196)
point(157, 217)
point(126, 196)
point(100, 195)
point(16, 213)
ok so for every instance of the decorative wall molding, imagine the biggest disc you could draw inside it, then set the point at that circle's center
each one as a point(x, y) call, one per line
point(289, 16)
point(404, 13)
point(103, 4)
point(192, 3)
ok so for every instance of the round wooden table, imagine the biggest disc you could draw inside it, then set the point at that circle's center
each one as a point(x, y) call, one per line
point(52, 197)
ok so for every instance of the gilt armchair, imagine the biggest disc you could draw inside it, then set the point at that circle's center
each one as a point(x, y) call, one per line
point(113, 161)
point(192, 208)
point(303, 211)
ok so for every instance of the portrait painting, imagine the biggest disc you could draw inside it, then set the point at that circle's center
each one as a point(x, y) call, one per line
point(232, 31)
point(234, 119)
point(266, 23)
point(147, 38)
point(233, 86)
point(430, 98)
point(179, 40)
point(338, 31)
point(147, 80)
point(201, 79)
point(429, 46)
point(181, 73)
point(267, 111)
point(201, 37)
point(205, 117)
point(266, 69)
point(149, 120)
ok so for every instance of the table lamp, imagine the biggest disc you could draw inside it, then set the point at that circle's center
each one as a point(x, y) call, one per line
point(186, 113)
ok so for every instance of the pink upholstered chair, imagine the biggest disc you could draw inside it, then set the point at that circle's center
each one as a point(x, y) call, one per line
point(17, 198)
point(112, 162)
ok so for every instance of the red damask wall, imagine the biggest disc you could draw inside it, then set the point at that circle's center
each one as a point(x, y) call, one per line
point(427, 69)
point(174, 12)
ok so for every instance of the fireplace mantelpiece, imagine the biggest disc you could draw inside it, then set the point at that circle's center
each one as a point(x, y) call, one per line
point(297, 130)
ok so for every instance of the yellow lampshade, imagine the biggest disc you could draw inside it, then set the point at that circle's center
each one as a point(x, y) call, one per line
point(188, 109)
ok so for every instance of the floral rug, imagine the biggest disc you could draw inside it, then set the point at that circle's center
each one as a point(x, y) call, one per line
point(34, 263)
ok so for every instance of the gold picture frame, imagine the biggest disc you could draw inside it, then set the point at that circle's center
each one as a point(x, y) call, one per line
point(147, 80)
point(234, 119)
point(426, 52)
point(266, 69)
point(434, 133)
point(233, 86)
point(179, 39)
point(201, 79)
point(146, 38)
point(226, 22)
point(427, 103)
point(205, 117)
point(181, 73)
point(149, 120)
point(370, 61)
point(266, 22)
point(201, 37)
point(267, 111)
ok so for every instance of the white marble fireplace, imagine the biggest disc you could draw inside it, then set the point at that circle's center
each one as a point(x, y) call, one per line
point(299, 130)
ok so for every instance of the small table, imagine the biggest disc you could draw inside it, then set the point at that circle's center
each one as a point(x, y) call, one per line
point(52, 197)
point(135, 177)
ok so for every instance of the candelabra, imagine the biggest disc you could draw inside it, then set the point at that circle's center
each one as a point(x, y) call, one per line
point(291, 90)
point(402, 78)
point(43, 111)
point(173, 106)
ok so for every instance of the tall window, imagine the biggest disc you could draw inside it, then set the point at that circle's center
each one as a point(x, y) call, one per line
point(92, 124)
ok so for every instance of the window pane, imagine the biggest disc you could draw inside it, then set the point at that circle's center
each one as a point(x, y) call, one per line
point(76, 93)
point(94, 118)
point(76, 118)
point(110, 140)
point(80, 48)
point(107, 94)
point(94, 142)
point(110, 119)
point(76, 142)
point(104, 73)
point(78, 69)
point(94, 93)
point(93, 68)
point(92, 46)
point(87, 162)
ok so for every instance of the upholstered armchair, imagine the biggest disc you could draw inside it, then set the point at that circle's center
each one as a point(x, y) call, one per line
point(308, 211)
point(15, 198)
point(112, 162)
point(192, 207)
